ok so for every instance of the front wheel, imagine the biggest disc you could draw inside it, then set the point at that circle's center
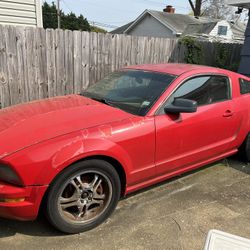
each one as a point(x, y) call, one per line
point(83, 196)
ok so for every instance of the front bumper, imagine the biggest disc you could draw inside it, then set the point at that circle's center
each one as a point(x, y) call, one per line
point(26, 206)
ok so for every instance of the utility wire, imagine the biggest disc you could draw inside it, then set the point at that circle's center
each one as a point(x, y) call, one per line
point(67, 6)
point(105, 25)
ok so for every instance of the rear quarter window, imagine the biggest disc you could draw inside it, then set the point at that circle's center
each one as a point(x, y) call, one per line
point(244, 86)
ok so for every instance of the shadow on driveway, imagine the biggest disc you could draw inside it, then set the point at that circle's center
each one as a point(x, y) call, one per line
point(39, 227)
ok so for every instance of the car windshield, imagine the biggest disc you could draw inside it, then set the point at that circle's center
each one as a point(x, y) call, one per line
point(134, 91)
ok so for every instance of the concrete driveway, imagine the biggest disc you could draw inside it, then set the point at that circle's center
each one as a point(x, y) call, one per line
point(174, 215)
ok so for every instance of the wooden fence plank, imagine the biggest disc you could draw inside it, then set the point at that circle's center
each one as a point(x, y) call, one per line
point(113, 54)
point(107, 43)
point(77, 61)
point(134, 50)
point(21, 65)
point(152, 49)
point(4, 76)
point(60, 68)
point(12, 64)
point(85, 59)
point(41, 67)
point(127, 50)
point(51, 64)
point(141, 47)
point(147, 50)
point(94, 57)
point(30, 38)
point(119, 48)
point(69, 62)
point(100, 56)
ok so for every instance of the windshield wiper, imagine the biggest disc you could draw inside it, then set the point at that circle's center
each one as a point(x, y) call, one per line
point(99, 99)
point(102, 100)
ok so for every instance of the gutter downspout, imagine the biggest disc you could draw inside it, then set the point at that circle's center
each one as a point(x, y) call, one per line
point(244, 67)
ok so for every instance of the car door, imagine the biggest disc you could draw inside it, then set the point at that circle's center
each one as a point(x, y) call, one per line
point(189, 138)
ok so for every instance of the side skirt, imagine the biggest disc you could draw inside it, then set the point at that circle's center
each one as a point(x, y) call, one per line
point(158, 179)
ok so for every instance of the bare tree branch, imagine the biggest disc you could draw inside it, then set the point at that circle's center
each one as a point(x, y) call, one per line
point(196, 7)
point(198, 4)
point(192, 5)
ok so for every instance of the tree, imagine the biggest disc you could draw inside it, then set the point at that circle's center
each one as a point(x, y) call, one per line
point(49, 15)
point(218, 9)
point(98, 29)
point(72, 22)
point(68, 21)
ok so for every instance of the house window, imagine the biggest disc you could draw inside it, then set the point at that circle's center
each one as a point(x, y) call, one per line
point(222, 30)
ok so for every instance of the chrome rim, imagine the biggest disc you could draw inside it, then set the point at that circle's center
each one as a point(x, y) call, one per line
point(85, 197)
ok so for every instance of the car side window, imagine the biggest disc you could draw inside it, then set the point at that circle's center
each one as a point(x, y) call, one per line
point(204, 90)
point(244, 86)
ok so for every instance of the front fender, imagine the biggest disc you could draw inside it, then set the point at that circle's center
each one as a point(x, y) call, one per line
point(39, 164)
point(80, 149)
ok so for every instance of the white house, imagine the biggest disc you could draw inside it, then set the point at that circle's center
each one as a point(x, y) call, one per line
point(168, 24)
point(21, 12)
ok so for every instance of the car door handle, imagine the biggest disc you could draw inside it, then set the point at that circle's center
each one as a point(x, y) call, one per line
point(228, 113)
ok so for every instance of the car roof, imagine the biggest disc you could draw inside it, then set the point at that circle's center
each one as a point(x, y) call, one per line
point(172, 68)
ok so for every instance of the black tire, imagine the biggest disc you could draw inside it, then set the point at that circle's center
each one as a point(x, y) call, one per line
point(244, 150)
point(63, 192)
point(247, 148)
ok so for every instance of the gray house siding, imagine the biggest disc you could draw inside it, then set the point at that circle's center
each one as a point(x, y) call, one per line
point(149, 26)
point(21, 12)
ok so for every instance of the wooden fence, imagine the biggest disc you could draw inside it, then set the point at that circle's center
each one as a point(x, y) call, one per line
point(36, 63)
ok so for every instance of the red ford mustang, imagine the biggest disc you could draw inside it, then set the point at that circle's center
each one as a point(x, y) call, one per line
point(79, 154)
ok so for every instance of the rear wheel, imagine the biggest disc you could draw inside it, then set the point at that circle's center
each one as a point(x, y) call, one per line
point(244, 150)
point(83, 196)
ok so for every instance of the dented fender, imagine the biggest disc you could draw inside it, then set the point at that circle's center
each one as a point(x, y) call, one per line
point(45, 160)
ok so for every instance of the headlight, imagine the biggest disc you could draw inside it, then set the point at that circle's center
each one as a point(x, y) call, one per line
point(7, 174)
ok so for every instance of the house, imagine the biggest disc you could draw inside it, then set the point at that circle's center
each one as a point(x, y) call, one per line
point(21, 12)
point(245, 53)
point(168, 24)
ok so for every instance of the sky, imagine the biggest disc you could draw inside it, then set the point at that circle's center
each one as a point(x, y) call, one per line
point(117, 12)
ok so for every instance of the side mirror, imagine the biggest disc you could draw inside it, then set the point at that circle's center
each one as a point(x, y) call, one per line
point(180, 105)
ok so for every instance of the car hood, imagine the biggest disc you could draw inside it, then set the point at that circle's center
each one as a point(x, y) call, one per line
point(26, 124)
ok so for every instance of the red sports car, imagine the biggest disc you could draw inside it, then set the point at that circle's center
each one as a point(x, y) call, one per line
point(79, 154)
